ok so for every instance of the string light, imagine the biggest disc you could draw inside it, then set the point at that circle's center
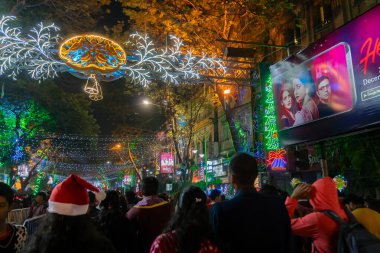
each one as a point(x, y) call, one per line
point(275, 155)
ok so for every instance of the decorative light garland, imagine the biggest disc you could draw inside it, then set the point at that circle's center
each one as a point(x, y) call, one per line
point(275, 155)
point(94, 57)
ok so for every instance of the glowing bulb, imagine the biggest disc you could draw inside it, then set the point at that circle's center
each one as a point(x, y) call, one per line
point(227, 91)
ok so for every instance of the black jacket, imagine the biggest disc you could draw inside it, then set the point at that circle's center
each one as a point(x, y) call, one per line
point(251, 222)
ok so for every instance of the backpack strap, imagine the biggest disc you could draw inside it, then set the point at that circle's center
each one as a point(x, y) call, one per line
point(333, 215)
point(350, 216)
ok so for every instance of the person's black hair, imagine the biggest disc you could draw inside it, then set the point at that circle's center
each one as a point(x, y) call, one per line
point(131, 197)
point(353, 198)
point(244, 167)
point(321, 79)
point(214, 194)
point(373, 204)
point(91, 197)
point(113, 223)
point(6, 192)
point(269, 190)
point(123, 203)
point(306, 80)
point(191, 221)
point(60, 234)
point(112, 201)
point(150, 186)
point(43, 195)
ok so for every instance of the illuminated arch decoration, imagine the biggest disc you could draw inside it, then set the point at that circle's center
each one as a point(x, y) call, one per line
point(97, 58)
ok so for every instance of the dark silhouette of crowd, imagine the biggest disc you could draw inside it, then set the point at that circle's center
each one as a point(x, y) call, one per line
point(80, 218)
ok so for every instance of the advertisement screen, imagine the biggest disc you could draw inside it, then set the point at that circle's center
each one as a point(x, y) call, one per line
point(332, 87)
point(167, 163)
point(318, 88)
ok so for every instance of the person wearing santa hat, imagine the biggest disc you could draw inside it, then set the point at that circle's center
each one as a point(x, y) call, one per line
point(66, 227)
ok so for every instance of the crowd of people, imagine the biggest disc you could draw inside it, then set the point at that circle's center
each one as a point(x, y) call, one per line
point(80, 218)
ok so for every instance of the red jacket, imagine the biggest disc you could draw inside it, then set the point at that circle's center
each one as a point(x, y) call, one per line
point(316, 225)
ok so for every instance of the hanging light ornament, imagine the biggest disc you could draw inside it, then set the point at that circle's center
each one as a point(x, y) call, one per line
point(92, 55)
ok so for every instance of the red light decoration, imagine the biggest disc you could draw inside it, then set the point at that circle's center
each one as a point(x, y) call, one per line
point(276, 160)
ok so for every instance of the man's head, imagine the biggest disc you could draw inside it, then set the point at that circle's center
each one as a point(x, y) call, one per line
point(41, 197)
point(6, 200)
point(150, 186)
point(216, 195)
point(243, 170)
point(353, 201)
point(324, 90)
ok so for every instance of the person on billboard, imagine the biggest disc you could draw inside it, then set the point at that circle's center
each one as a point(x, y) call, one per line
point(324, 95)
point(304, 92)
point(287, 107)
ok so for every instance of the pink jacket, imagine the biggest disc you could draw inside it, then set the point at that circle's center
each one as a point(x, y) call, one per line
point(317, 225)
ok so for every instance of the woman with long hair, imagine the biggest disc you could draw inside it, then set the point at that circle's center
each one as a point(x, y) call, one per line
point(67, 227)
point(287, 107)
point(304, 93)
point(61, 234)
point(189, 230)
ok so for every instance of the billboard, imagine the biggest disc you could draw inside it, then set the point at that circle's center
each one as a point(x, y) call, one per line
point(331, 87)
point(167, 163)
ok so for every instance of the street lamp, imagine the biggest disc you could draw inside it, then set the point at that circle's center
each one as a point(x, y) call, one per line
point(146, 102)
point(116, 147)
point(201, 155)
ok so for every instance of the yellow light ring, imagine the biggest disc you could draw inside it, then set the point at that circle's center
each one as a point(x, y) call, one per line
point(91, 52)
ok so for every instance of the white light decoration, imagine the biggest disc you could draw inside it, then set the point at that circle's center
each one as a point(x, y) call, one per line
point(33, 53)
point(169, 63)
point(36, 53)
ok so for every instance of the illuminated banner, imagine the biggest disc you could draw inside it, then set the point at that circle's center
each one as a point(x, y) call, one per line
point(333, 86)
point(167, 163)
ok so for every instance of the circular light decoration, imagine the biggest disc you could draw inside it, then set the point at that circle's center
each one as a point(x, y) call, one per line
point(93, 57)
point(340, 182)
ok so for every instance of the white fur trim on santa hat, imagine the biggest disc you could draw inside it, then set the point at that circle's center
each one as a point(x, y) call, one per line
point(67, 209)
point(100, 195)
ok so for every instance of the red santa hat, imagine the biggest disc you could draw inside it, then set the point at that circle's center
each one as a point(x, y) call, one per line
point(70, 197)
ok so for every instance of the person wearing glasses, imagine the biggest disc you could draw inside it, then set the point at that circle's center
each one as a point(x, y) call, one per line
point(324, 95)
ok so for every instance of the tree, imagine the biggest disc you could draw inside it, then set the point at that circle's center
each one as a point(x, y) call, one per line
point(183, 105)
point(22, 121)
point(201, 24)
point(356, 157)
point(30, 112)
